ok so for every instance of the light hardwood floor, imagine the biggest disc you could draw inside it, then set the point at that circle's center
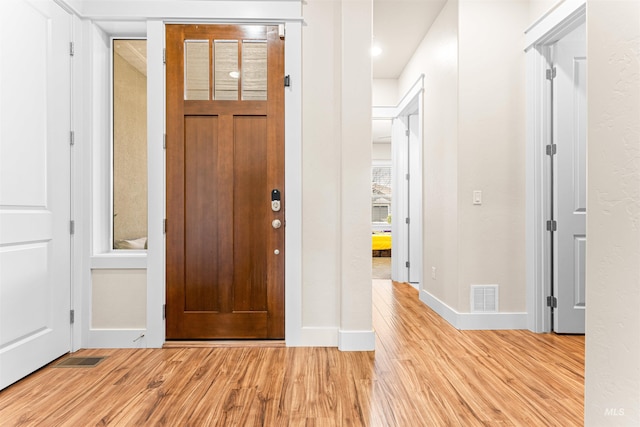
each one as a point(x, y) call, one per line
point(423, 373)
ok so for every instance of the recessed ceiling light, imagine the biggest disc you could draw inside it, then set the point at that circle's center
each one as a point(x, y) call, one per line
point(376, 50)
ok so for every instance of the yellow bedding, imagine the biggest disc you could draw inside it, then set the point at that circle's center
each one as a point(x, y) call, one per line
point(381, 241)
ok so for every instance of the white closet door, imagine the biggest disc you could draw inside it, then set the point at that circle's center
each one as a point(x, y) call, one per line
point(34, 186)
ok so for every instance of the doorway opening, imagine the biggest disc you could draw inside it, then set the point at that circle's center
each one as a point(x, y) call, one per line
point(404, 129)
point(556, 177)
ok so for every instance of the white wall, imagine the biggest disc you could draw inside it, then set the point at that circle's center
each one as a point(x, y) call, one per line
point(612, 384)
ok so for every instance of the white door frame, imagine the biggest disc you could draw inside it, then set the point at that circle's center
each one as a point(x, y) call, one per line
point(410, 104)
point(547, 30)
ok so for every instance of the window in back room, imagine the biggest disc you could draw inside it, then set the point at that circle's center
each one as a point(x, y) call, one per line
point(129, 149)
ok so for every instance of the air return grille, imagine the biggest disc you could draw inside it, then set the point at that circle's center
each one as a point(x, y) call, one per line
point(79, 362)
point(484, 298)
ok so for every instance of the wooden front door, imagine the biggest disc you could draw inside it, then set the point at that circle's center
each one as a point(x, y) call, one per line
point(225, 158)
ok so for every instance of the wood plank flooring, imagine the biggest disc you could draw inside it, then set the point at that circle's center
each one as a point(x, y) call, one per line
point(423, 373)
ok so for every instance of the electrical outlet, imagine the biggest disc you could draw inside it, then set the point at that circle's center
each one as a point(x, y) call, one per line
point(433, 273)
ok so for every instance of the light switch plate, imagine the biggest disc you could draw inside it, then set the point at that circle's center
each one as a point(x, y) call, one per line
point(477, 197)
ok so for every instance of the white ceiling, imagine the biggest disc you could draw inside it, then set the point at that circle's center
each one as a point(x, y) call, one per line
point(398, 28)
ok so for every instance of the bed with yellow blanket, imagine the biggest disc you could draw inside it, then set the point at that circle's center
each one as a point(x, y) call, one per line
point(380, 241)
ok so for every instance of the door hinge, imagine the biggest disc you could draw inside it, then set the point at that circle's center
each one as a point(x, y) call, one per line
point(552, 225)
point(407, 220)
point(287, 80)
point(407, 264)
point(72, 227)
point(164, 311)
point(552, 302)
point(72, 138)
point(165, 226)
point(551, 73)
point(551, 149)
point(164, 141)
point(72, 316)
point(164, 55)
point(71, 49)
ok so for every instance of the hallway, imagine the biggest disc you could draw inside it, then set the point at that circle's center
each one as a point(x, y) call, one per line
point(423, 373)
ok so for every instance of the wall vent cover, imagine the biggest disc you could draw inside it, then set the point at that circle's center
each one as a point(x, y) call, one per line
point(484, 298)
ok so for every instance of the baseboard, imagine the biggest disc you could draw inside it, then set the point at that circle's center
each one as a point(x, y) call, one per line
point(312, 336)
point(474, 321)
point(356, 340)
point(117, 338)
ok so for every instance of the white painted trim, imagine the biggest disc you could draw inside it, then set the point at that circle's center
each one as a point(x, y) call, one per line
point(137, 260)
point(117, 338)
point(356, 340)
point(196, 10)
point(474, 321)
point(553, 26)
point(156, 184)
point(559, 16)
point(81, 189)
point(314, 336)
point(295, 334)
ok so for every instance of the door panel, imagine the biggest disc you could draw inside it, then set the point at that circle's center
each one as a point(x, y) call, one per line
point(415, 201)
point(35, 259)
point(571, 108)
point(225, 261)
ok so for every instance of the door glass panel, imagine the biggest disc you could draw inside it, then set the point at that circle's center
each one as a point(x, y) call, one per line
point(226, 70)
point(196, 69)
point(254, 70)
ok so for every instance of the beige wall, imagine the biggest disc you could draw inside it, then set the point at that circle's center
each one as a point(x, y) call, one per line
point(320, 163)
point(385, 92)
point(537, 8)
point(612, 395)
point(491, 142)
point(336, 165)
point(130, 151)
point(437, 58)
point(474, 128)
point(119, 299)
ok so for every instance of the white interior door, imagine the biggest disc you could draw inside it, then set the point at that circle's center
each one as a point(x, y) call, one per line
point(414, 200)
point(570, 182)
point(34, 186)
point(399, 206)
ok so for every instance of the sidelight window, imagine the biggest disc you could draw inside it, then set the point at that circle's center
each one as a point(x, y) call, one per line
point(129, 148)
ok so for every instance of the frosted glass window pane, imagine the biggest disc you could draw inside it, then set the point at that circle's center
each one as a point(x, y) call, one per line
point(226, 70)
point(196, 69)
point(254, 70)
